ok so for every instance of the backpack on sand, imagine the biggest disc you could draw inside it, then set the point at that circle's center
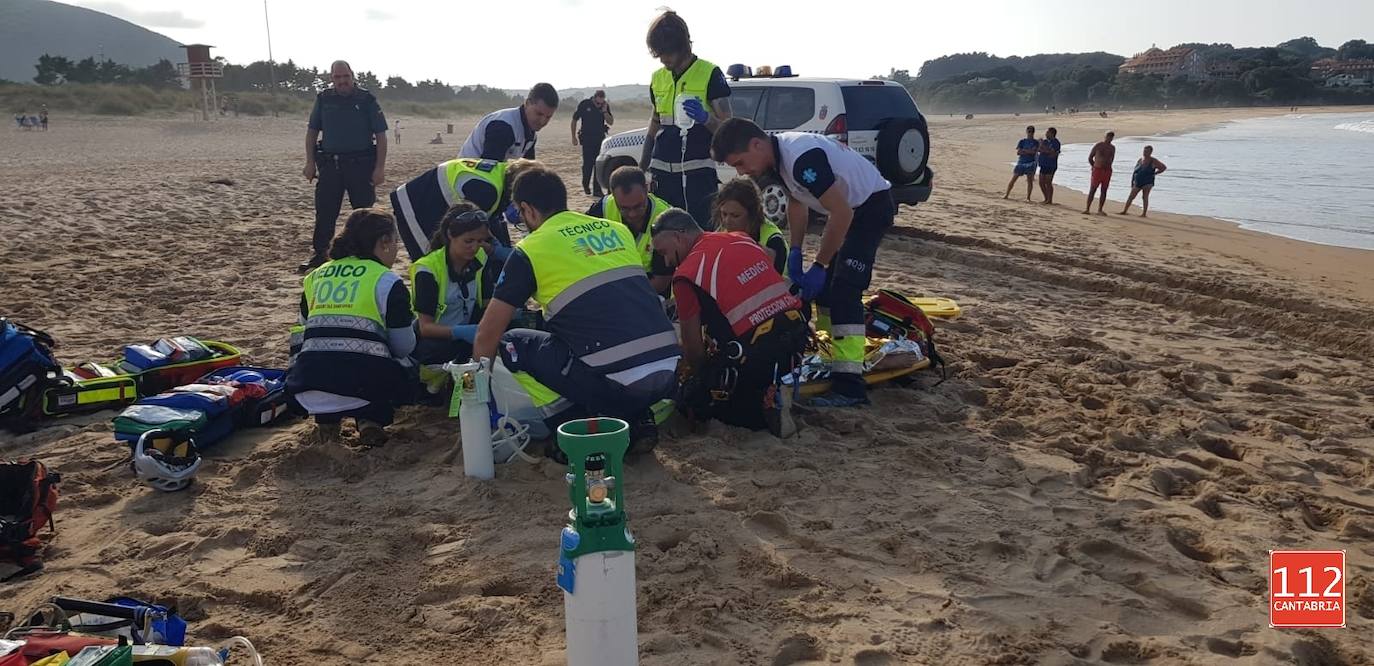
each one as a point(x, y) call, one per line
point(27, 369)
point(892, 315)
point(28, 498)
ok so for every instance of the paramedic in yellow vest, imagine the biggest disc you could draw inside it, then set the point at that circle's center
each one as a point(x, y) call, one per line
point(687, 87)
point(631, 204)
point(350, 351)
point(738, 207)
point(421, 202)
point(609, 348)
point(825, 176)
point(451, 285)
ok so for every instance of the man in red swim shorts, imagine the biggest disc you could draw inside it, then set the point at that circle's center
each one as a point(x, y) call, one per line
point(1101, 157)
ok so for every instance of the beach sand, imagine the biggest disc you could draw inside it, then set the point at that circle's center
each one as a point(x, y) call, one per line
point(1137, 412)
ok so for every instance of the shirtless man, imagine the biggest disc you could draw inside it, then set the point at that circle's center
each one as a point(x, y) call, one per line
point(1100, 159)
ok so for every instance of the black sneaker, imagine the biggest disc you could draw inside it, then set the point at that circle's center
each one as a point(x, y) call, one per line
point(552, 452)
point(315, 262)
point(643, 435)
point(371, 434)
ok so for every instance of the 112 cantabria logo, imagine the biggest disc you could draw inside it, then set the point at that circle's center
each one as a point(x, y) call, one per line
point(1306, 588)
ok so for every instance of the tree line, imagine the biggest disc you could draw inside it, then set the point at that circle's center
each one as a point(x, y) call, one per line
point(1277, 75)
point(288, 77)
point(53, 70)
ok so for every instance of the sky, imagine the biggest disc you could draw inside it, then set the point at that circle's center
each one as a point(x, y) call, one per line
point(581, 43)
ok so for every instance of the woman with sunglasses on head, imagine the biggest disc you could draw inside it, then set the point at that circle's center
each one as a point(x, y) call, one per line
point(739, 207)
point(451, 285)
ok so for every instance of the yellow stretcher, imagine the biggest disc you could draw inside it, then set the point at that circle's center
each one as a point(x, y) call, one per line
point(941, 308)
point(871, 378)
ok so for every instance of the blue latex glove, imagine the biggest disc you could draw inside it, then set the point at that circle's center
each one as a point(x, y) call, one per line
point(695, 110)
point(512, 214)
point(465, 332)
point(794, 264)
point(812, 282)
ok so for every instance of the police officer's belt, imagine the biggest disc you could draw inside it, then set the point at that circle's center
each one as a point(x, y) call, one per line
point(355, 156)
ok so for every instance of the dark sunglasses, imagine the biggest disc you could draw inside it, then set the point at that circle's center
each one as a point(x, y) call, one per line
point(472, 216)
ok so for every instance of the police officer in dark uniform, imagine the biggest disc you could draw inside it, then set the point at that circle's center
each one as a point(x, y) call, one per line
point(351, 158)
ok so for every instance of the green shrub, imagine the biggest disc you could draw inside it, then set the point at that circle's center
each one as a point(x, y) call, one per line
point(252, 107)
point(115, 106)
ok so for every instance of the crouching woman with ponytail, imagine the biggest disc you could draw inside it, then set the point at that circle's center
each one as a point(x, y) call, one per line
point(452, 285)
point(350, 353)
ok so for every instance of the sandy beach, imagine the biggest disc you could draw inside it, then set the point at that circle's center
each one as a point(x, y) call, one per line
point(1138, 410)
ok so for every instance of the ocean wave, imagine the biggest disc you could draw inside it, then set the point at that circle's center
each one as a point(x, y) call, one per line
point(1366, 126)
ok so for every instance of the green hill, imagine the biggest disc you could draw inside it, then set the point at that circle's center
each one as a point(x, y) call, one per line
point(30, 28)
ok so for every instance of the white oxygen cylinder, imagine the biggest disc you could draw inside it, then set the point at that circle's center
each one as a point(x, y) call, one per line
point(473, 380)
point(600, 614)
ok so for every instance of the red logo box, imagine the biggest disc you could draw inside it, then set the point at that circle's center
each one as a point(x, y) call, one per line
point(1306, 588)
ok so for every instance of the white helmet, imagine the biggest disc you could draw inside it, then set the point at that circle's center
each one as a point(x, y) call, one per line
point(170, 470)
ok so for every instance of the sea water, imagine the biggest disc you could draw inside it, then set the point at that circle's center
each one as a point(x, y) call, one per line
point(1303, 176)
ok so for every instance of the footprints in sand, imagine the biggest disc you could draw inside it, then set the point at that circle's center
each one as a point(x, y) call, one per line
point(1229, 648)
point(1264, 387)
point(1218, 446)
point(1190, 544)
point(797, 648)
point(1138, 572)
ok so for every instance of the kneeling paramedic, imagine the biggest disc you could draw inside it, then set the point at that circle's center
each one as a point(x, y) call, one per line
point(631, 204)
point(421, 203)
point(450, 287)
point(739, 207)
point(609, 348)
point(827, 177)
point(726, 281)
point(350, 352)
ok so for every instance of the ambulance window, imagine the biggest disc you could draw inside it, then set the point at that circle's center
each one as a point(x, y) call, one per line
point(788, 108)
point(744, 102)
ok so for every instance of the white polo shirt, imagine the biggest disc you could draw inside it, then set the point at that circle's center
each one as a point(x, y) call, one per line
point(811, 163)
point(515, 119)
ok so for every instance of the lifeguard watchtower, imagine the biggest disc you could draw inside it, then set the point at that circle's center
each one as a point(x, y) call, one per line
point(200, 71)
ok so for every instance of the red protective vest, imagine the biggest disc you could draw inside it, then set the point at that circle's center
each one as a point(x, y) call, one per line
point(734, 271)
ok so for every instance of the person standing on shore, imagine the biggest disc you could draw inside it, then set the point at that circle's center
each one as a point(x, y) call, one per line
point(1143, 180)
point(510, 134)
point(1025, 163)
point(1100, 160)
point(595, 114)
point(351, 158)
point(1047, 158)
point(43, 117)
point(685, 90)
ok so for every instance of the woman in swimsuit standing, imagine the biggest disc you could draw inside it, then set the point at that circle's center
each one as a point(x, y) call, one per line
point(1143, 180)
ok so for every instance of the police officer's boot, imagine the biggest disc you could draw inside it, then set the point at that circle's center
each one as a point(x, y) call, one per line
point(315, 262)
